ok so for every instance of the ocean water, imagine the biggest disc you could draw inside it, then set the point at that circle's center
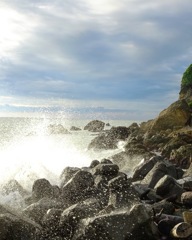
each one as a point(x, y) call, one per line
point(28, 152)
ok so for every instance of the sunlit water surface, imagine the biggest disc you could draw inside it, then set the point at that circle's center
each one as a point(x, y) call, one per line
point(28, 152)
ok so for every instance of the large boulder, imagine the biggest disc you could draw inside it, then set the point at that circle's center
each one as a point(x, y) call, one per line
point(67, 174)
point(177, 115)
point(78, 188)
point(41, 188)
point(95, 126)
point(71, 216)
point(131, 225)
point(110, 139)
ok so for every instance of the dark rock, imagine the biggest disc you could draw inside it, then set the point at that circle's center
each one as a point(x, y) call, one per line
point(41, 188)
point(57, 129)
point(37, 210)
point(73, 128)
point(72, 215)
point(133, 225)
point(78, 188)
point(94, 163)
point(106, 170)
point(16, 228)
point(108, 124)
point(158, 171)
point(50, 223)
point(106, 161)
point(167, 186)
point(95, 126)
point(121, 193)
point(67, 174)
point(144, 167)
point(110, 139)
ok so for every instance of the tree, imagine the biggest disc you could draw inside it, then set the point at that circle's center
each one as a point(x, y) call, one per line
point(187, 77)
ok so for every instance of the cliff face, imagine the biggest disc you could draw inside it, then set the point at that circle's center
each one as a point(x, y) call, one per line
point(186, 85)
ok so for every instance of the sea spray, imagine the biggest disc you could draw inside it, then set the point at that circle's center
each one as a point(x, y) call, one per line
point(29, 152)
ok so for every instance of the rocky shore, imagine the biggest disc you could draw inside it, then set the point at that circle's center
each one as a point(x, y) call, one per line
point(103, 202)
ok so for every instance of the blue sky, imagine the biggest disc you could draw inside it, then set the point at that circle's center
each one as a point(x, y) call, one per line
point(93, 59)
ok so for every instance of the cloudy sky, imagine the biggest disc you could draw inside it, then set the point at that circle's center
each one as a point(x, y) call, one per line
point(100, 59)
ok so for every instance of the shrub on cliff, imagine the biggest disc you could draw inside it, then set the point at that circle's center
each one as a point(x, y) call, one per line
point(187, 77)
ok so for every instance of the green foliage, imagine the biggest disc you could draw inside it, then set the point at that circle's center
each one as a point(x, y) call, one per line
point(187, 77)
point(190, 104)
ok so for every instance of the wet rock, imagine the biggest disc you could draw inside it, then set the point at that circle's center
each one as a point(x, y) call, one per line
point(67, 174)
point(16, 227)
point(106, 170)
point(14, 186)
point(106, 161)
point(73, 128)
point(158, 171)
point(72, 215)
point(95, 126)
point(110, 139)
point(77, 189)
point(50, 223)
point(41, 188)
point(121, 193)
point(134, 225)
point(57, 129)
point(36, 211)
point(167, 186)
point(144, 167)
point(94, 163)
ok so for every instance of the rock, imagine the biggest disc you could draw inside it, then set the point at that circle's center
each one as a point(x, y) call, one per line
point(95, 126)
point(73, 128)
point(17, 228)
point(72, 215)
point(121, 193)
point(174, 143)
point(67, 174)
point(143, 168)
point(167, 186)
point(36, 211)
point(106, 170)
point(41, 188)
point(186, 183)
point(134, 225)
point(176, 115)
point(78, 188)
point(182, 156)
point(50, 223)
point(186, 199)
point(157, 172)
point(57, 129)
point(110, 139)
point(108, 124)
point(14, 186)
point(94, 163)
point(188, 172)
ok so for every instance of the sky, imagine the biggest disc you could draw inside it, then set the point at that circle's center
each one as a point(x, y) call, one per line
point(104, 59)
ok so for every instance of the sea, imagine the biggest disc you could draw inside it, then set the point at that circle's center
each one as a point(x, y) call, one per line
point(28, 152)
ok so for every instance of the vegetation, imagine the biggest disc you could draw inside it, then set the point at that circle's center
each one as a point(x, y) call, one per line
point(187, 77)
point(190, 104)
